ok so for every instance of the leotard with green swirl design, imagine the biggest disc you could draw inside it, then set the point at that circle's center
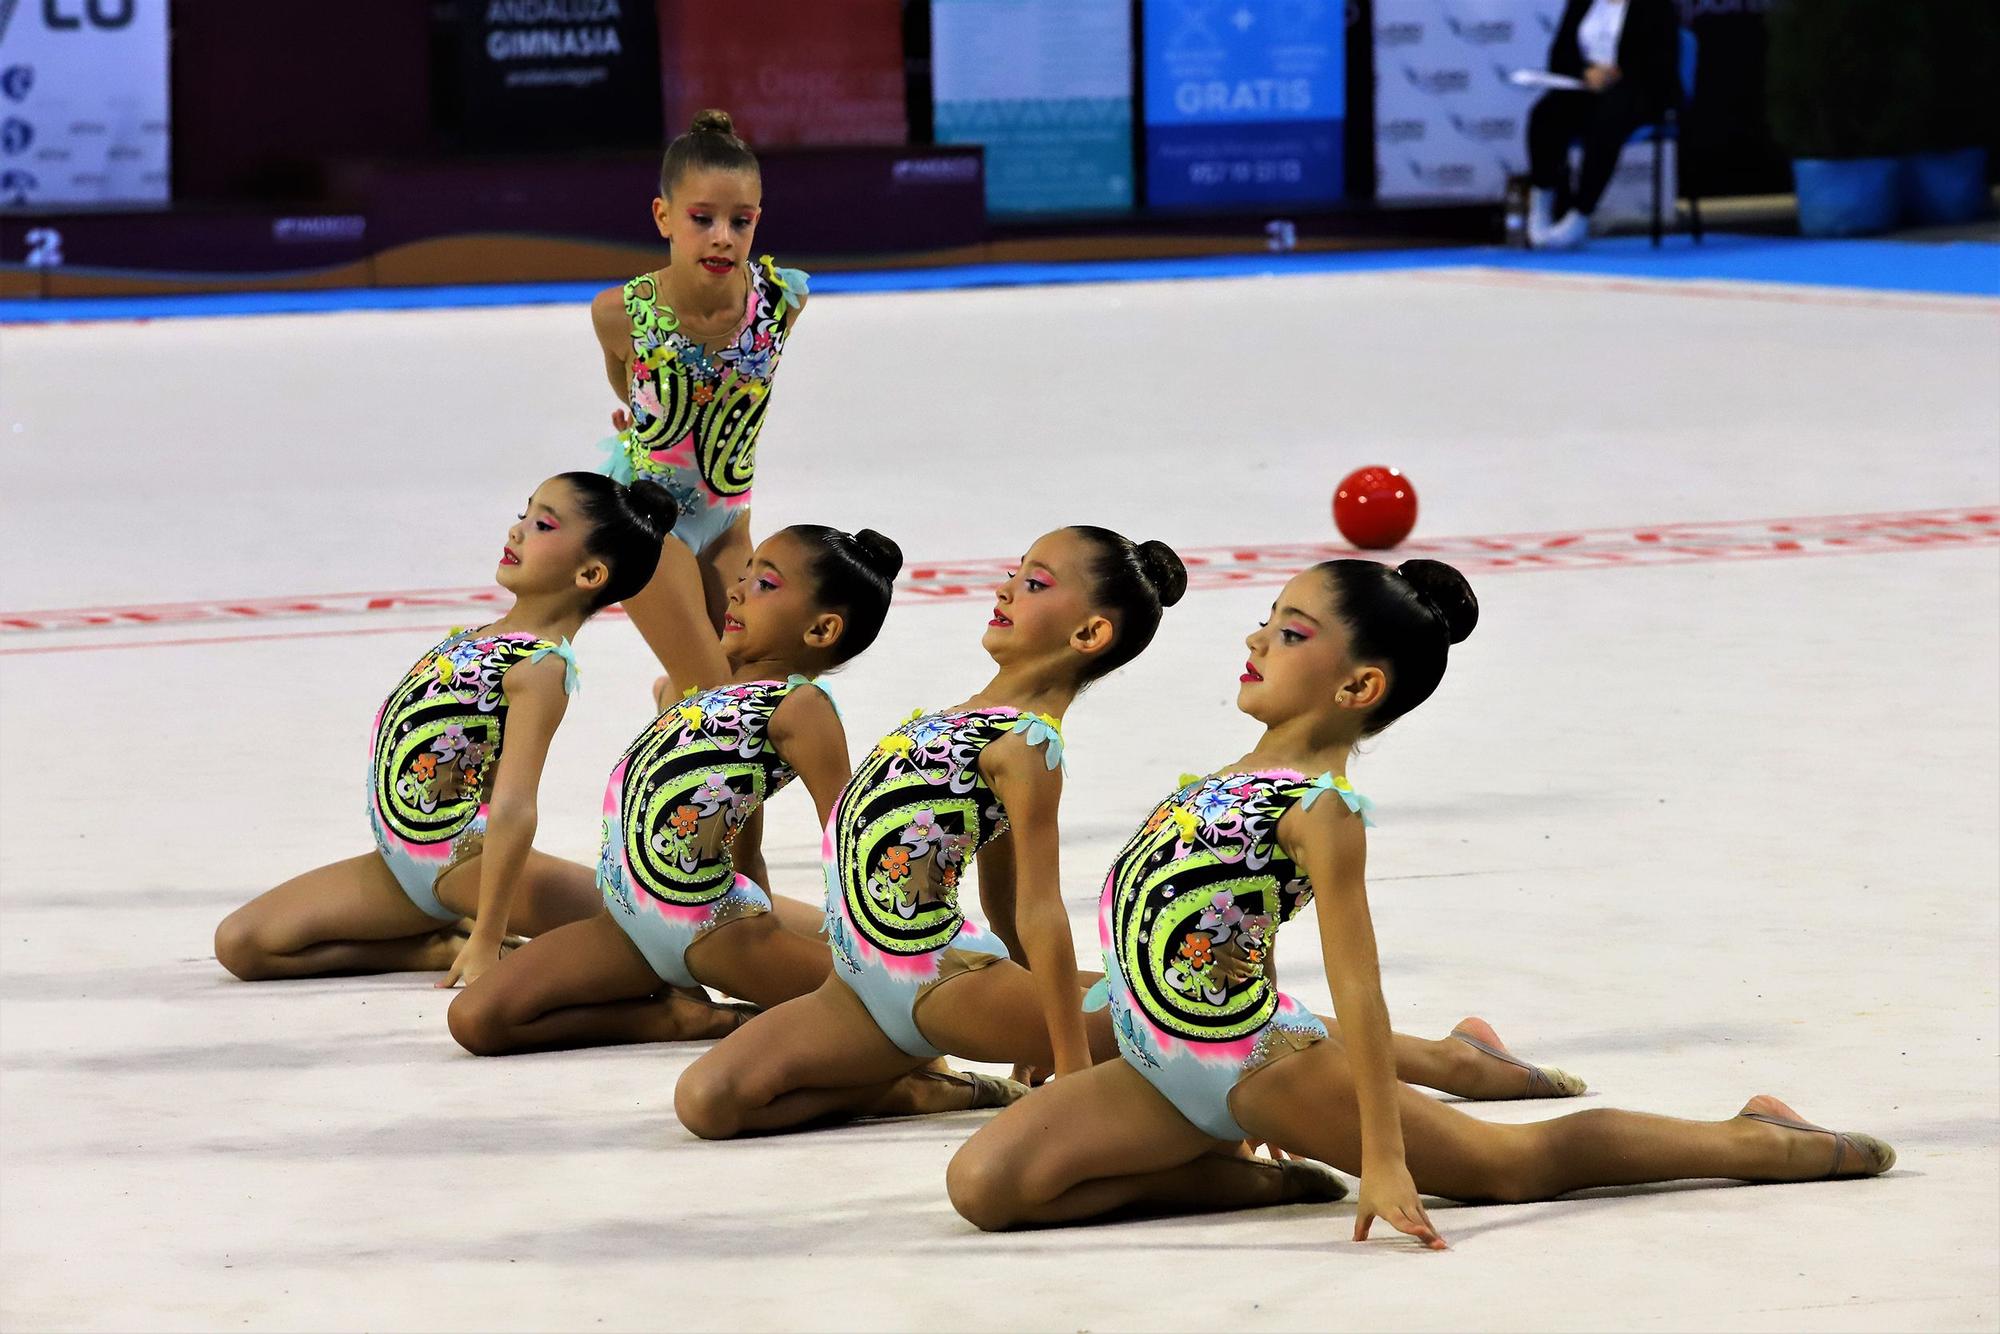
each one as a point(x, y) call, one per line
point(696, 414)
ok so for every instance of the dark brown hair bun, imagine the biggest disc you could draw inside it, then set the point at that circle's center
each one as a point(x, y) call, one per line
point(1164, 571)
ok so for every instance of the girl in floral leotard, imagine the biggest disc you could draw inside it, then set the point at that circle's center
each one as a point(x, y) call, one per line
point(1215, 1054)
point(692, 351)
point(456, 763)
point(685, 901)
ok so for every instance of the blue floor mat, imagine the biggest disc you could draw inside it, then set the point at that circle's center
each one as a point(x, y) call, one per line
point(1960, 268)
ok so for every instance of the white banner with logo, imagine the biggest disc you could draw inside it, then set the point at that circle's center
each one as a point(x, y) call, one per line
point(1451, 125)
point(83, 102)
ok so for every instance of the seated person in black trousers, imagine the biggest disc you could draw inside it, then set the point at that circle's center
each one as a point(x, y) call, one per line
point(1628, 52)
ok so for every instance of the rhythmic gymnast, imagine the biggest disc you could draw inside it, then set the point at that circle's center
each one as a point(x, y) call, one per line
point(691, 350)
point(682, 878)
point(1214, 1054)
point(457, 758)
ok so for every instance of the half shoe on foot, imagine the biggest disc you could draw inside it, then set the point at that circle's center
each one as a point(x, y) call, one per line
point(1543, 1081)
point(1870, 1157)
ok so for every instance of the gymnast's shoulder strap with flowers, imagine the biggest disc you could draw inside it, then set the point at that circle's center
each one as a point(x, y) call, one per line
point(794, 681)
point(1328, 782)
point(571, 681)
point(1041, 729)
point(790, 286)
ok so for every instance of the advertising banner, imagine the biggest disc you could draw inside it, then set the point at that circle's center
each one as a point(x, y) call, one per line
point(83, 102)
point(1244, 101)
point(540, 74)
point(788, 72)
point(1450, 123)
point(1045, 86)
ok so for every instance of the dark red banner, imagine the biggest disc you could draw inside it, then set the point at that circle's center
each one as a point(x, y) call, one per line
point(789, 72)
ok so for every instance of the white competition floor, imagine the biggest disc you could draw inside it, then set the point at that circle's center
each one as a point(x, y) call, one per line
point(1706, 807)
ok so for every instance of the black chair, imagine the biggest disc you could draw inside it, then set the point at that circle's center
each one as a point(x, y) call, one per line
point(1668, 126)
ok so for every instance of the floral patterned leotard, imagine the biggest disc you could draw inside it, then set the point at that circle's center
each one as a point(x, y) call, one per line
point(908, 822)
point(672, 810)
point(1187, 921)
point(436, 748)
point(696, 414)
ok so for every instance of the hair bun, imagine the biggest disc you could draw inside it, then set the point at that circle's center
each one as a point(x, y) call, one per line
point(654, 505)
point(878, 553)
point(1447, 592)
point(712, 121)
point(1164, 571)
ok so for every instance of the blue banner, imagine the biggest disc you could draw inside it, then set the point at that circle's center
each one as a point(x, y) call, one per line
point(1244, 101)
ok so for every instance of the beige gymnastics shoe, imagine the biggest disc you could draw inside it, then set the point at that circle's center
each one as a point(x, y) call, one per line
point(1854, 1154)
point(1543, 1081)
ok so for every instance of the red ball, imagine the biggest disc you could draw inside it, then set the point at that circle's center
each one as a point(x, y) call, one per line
point(1375, 508)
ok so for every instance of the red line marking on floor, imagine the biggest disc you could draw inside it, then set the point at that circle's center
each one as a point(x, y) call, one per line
point(163, 611)
point(212, 639)
point(1243, 565)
